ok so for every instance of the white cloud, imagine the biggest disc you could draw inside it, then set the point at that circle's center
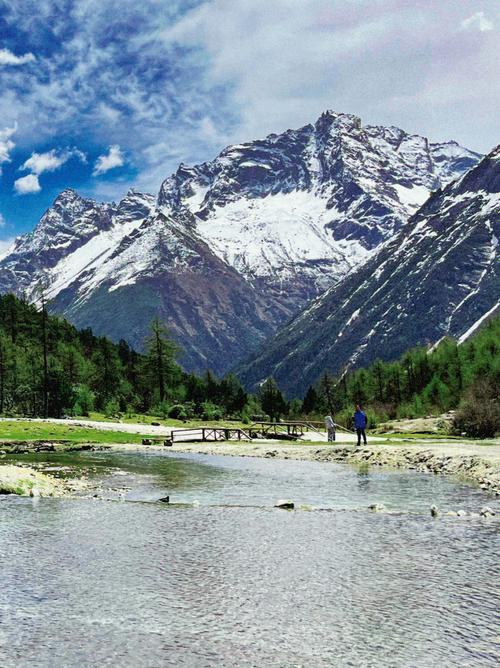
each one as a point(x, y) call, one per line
point(39, 163)
point(27, 185)
point(9, 58)
point(285, 62)
point(6, 144)
point(477, 21)
point(114, 158)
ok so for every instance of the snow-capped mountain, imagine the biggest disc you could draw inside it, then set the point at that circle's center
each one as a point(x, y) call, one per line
point(232, 248)
point(73, 234)
point(440, 275)
point(297, 211)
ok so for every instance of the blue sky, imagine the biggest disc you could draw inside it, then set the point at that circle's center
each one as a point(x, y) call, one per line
point(103, 95)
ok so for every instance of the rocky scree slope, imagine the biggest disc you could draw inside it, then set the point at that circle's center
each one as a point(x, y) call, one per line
point(439, 276)
point(232, 248)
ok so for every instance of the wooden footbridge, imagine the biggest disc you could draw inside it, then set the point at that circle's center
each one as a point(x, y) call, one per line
point(285, 431)
point(204, 434)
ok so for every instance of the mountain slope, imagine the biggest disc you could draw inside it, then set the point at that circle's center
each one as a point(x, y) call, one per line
point(231, 249)
point(161, 270)
point(439, 276)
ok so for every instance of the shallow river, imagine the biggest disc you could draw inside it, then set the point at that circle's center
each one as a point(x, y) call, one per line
point(231, 581)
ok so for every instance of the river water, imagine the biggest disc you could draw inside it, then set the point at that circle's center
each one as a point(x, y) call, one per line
point(221, 578)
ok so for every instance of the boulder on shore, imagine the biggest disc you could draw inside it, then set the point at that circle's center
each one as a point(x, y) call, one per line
point(28, 482)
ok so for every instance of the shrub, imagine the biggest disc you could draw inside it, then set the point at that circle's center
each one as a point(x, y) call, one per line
point(111, 408)
point(177, 412)
point(211, 411)
point(161, 410)
point(84, 400)
point(479, 413)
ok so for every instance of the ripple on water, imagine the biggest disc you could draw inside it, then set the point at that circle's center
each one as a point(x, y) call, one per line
point(139, 584)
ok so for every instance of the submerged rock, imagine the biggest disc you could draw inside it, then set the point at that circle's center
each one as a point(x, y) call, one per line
point(486, 511)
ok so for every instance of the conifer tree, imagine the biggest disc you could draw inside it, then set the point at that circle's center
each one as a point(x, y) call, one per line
point(272, 400)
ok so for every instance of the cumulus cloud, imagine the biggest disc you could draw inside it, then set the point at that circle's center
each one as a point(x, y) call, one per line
point(6, 145)
point(9, 58)
point(27, 185)
point(114, 158)
point(51, 160)
point(477, 21)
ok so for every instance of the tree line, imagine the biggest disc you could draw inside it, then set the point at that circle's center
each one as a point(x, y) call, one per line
point(48, 368)
point(422, 382)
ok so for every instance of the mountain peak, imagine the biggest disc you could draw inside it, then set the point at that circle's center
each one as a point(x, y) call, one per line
point(338, 120)
point(67, 195)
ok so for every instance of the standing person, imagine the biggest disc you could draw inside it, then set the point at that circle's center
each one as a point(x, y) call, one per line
point(330, 428)
point(360, 422)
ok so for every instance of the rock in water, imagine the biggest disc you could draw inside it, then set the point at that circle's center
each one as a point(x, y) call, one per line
point(376, 507)
point(434, 511)
point(165, 499)
point(284, 503)
point(486, 511)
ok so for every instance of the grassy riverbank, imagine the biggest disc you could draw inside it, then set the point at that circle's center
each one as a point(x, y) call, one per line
point(21, 431)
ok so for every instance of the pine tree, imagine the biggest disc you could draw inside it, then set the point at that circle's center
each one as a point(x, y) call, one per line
point(161, 352)
point(272, 400)
point(310, 401)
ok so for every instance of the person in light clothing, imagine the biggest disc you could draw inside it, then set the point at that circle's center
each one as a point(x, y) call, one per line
point(330, 428)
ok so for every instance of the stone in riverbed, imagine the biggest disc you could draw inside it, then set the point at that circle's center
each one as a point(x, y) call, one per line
point(376, 507)
point(165, 499)
point(434, 511)
point(461, 513)
point(486, 511)
point(284, 503)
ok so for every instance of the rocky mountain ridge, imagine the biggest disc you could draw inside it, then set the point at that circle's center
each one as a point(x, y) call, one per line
point(232, 248)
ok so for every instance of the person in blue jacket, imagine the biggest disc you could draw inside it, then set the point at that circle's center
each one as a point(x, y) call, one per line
point(360, 423)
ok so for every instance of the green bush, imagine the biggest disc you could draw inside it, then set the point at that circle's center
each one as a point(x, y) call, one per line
point(111, 408)
point(162, 409)
point(177, 412)
point(479, 414)
point(211, 411)
point(84, 400)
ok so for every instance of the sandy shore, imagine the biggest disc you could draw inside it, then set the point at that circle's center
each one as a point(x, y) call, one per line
point(475, 461)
